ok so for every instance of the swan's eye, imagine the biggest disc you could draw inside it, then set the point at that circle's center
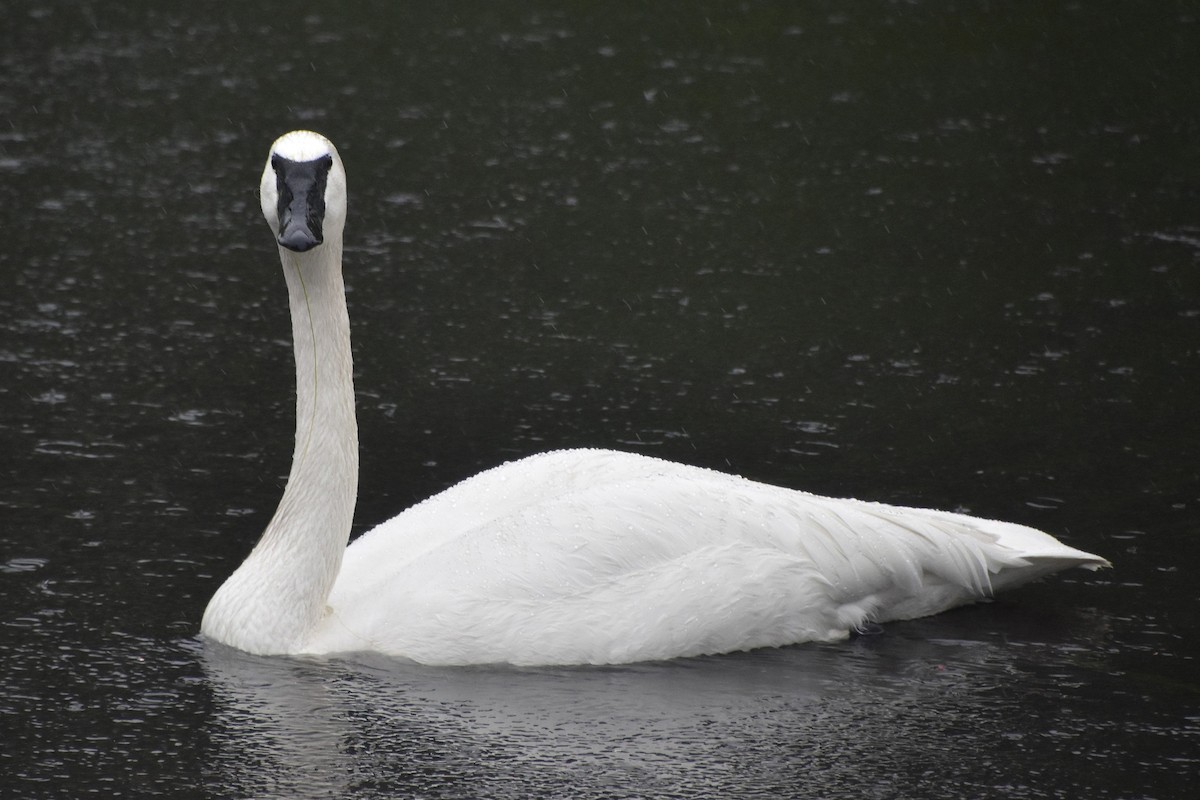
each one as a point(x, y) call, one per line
point(300, 186)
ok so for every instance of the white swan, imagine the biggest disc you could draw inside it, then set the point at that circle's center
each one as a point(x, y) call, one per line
point(569, 557)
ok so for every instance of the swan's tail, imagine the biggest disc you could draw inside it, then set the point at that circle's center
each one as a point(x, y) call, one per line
point(914, 562)
point(1026, 553)
point(1044, 554)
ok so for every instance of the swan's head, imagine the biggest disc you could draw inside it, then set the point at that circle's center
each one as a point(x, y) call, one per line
point(303, 191)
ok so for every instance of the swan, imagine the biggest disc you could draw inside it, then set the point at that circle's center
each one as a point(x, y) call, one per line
point(571, 556)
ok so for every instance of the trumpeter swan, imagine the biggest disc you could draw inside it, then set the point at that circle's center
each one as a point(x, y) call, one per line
point(572, 556)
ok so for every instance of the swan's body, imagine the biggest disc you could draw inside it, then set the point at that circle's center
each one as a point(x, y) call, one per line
point(576, 556)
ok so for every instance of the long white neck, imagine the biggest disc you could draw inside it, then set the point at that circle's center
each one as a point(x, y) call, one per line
point(274, 600)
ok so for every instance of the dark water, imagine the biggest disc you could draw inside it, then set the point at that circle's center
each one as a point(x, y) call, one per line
point(935, 255)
